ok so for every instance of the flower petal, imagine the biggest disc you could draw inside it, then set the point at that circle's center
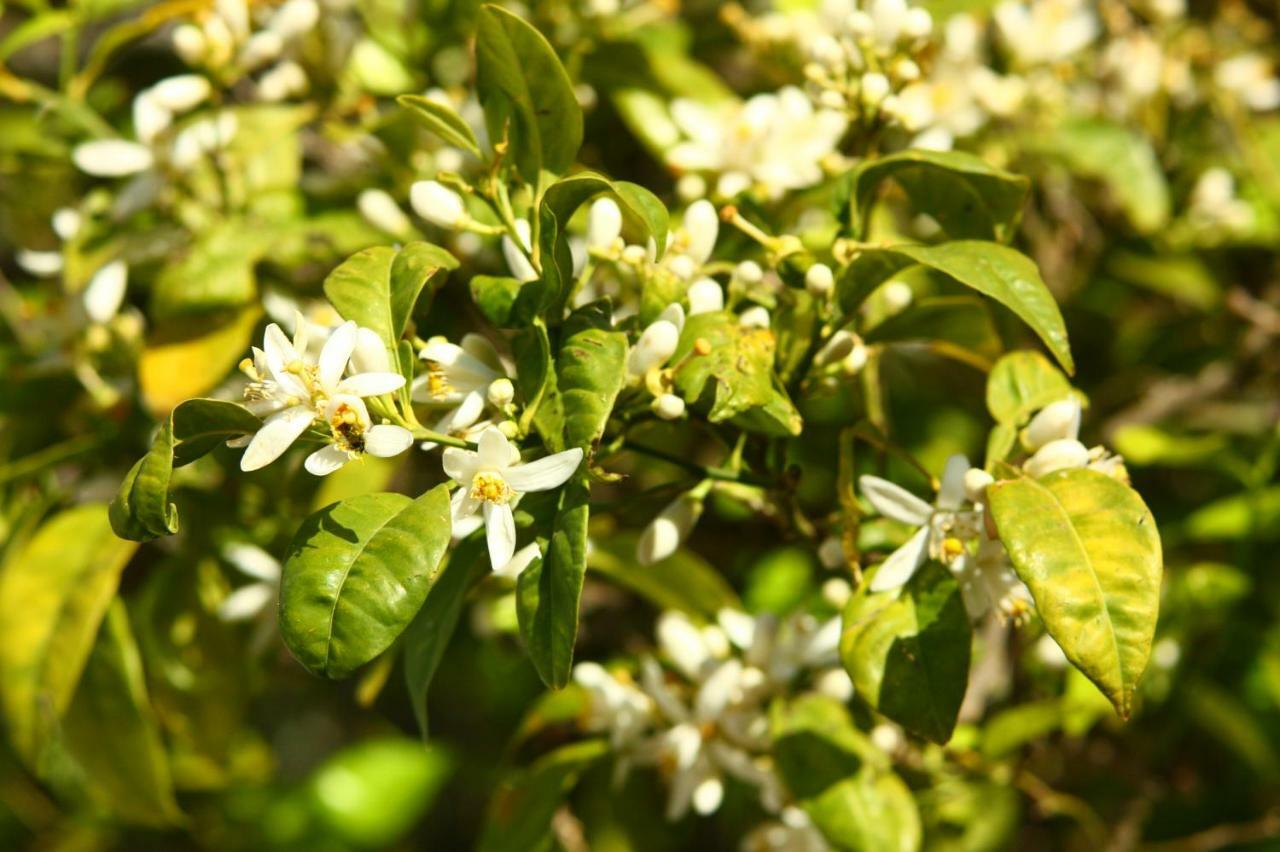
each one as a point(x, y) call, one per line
point(500, 531)
point(894, 501)
point(387, 440)
point(545, 473)
point(246, 602)
point(105, 293)
point(464, 416)
point(326, 460)
point(276, 436)
point(252, 561)
point(336, 354)
point(370, 384)
point(461, 506)
point(951, 493)
point(494, 450)
point(902, 563)
point(460, 465)
point(522, 559)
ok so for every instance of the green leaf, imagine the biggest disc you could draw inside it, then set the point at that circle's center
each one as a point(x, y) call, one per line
point(590, 373)
point(683, 581)
point(549, 591)
point(997, 271)
point(202, 425)
point(356, 575)
point(443, 121)
point(1020, 384)
point(127, 770)
point(527, 97)
point(216, 273)
point(969, 198)
point(1250, 514)
point(522, 807)
point(369, 795)
point(496, 297)
point(956, 326)
point(54, 592)
point(141, 509)
point(1087, 547)
point(735, 380)
point(378, 287)
point(536, 381)
point(841, 779)
point(428, 636)
point(1123, 160)
point(909, 656)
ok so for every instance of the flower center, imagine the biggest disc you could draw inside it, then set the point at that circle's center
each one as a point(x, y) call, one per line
point(438, 383)
point(348, 431)
point(490, 487)
point(952, 548)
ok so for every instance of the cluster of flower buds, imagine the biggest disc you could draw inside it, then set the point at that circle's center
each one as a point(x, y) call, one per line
point(226, 41)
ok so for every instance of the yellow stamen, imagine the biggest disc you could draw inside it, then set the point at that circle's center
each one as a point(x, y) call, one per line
point(491, 488)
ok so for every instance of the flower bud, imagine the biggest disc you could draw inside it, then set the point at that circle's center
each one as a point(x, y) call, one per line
point(438, 204)
point(182, 92)
point(897, 296)
point(66, 222)
point(831, 553)
point(682, 266)
point(705, 296)
point(701, 227)
point(918, 23)
point(282, 82)
point(754, 317)
point(856, 359)
point(189, 43)
point(655, 346)
point(748, 272)
point(976, 481)
point(668, 530)
point(875, 86)
point(501, 392)
point(634, 255)
point(691, 187)
point(509, 428)
point(1062, 454)
point(859, 24)
point(105, 292)
point(42, 264)
point(834, 683)
point(150, 119)
point(517, 254)
point(203, 137)
point(112, 158)
point(262, 47)
point(1057, 420)
point(819, 280)
point(294, 18)
point(668, 406)
point(604, 223)
point(381, 210)
point(836, 592)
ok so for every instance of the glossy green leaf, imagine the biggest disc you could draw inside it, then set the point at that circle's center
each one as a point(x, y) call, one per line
point(908, 652)
point(590, 372)
point(954, 326)
point(1239, 517)
point(442, 120)
point(126, 772)
point(527, 97)
point(1087, 547)
point(356, 575)
point(216, 272)
point(536, 381)
point(202, 425)
point(521, 810)
point(141, 509)
point(841, 779)
point(1123, 160)
point(999, 272)
point(428, 636)
point(967, 197)
point(378, 287)
point(496, 296)
point(549, 591)
point(735, 380)
point(1020, 384)
point(54, 592)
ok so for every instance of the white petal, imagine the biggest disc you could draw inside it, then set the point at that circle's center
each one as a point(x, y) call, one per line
point(41, 263)
point(276, 436)
point(387, 440)
point(894, 501)
point(708, 794)
point(902, 563)
point(655, 346)
point(545, 473)
point(370, 355)
point(1057, 420)
point(464, 416)
point(951, 493)
point(336, 354)
point(462, 506)
point(668, 530)
point(682, 643)
point(460, 465)
point(371, 384)
point(701, 226)
point(500, 531)
point(252, 561)
point(180, 93)
point(604, 223)
point(112, 158)
point(150, 117)
point(718, 690)
point(705, 296)
point(517, 262)
point(326, 460)
point(105, 293)
point(522, 559)
point(674, 314)
point(1061, 454)
point(494, 450)
point(246, 602)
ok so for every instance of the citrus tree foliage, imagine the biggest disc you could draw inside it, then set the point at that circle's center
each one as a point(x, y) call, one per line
point(682, 469)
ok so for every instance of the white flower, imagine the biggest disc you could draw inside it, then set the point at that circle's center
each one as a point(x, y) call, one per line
point(202, 138)
point(438, 204)
point(292, 390)
point(1057, 420)
point(1059, 454)
point(381, 210)
point(458, 378)
point(705, 296)
point(943, 527)
point(754, 317)
point(657, 343)
point(105, 292)
point(666, 532)
point(353, 434)
point(517, 255)
point(112, 158)
point(66, 222)
point(1046, 31)
point(615, 707)
point(492, 477)
point(43, 264)
point(256, 597)
point(1251, 78)
point(701, 229)
point(604, 223)
point(294, 18)
point(988, 582)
